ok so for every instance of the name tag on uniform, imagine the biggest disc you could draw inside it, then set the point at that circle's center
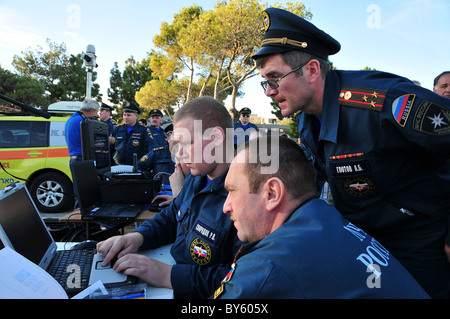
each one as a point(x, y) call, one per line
point(350, 168)
point(206, 232)
point(136, 135)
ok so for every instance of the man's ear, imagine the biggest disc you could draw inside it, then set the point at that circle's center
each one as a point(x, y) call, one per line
point(273, 193)
point(217, 135)
point(313, 67)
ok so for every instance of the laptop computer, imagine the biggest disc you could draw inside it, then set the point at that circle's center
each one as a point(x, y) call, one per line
point(23, 230)
point(90, 200)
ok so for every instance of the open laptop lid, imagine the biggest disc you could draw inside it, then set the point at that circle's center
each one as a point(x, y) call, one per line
point(22, 227)
point(88, 190)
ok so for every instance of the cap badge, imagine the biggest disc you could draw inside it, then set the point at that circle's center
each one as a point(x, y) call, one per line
point(266, 21)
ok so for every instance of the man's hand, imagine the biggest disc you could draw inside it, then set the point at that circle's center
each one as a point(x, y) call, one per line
point(167, 199)
point(153, 272)
point(176, 180)
point(119, 246)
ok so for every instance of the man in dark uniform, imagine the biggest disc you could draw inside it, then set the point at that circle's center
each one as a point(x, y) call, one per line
point(131, 138)
point(441, 84)
point(204, 239)
point(243, 128)
point(378, 139)
point(160, 159)
point(105, 116)
point(296, 245)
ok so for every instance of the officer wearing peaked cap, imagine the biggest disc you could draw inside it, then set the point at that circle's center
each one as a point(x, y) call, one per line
point(131, 108)
point(106, 107)
point(243, 128)
point(131, 138)
point(286, 31)
point(378, 139)
point(105, 116)
point(160, 158)
point(155, 112)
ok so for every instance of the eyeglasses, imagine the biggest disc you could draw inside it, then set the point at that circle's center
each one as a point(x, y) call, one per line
point(274, 82)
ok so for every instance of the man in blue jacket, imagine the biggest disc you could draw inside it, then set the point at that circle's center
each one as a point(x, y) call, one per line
point(298, 246)
point(204, 239)
point(243, 128)
point(131, 138)
point(89, 109)
point(105, 116)
point(379, 140)
point(160, 159)
point(72, 130)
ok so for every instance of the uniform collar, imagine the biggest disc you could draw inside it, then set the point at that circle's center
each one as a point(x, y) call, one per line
point(135, 125)
point(330, 109)
point(215, 185)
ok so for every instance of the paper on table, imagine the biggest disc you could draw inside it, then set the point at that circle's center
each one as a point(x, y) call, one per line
point(23, 279)
point(91, 289)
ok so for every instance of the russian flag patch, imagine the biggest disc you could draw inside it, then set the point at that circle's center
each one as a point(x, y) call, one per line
point(401, 107)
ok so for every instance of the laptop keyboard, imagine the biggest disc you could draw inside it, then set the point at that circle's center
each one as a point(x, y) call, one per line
point(111, 210)
point(66, 264)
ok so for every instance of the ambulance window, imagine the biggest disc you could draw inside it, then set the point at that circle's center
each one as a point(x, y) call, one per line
point(39, 136)
point(21, 134)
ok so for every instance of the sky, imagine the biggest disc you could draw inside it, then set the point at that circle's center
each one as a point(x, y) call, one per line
point(405, 37)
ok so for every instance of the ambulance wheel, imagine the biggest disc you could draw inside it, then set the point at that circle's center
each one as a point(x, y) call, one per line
point(51, 192)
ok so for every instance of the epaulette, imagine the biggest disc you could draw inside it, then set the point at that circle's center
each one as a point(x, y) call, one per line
point(368, 99)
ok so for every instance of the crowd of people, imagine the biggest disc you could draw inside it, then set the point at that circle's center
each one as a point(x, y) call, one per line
point(379, 140)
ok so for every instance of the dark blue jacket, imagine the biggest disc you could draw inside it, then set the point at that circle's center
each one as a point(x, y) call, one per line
point(204, 238)
point(137, 141)
point(383, 145)
point(111, 125)
point(160, 137)
point(317, 254)
point(158, 159)
point(241, 133)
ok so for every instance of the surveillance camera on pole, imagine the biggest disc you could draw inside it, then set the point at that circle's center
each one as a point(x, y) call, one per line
point(90, 60)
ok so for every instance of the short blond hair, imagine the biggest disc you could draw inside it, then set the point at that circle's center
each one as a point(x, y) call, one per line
point(211, 112)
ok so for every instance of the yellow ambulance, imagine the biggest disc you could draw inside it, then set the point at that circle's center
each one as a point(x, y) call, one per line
point(33, 150)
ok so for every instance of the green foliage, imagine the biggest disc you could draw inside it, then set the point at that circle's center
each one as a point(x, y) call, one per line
point(63, 75)
point(198, 53)
point(114, 92)
point(210, 51)
point(24, 89)
point(123, 86)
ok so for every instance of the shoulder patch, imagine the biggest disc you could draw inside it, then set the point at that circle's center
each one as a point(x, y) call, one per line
point(227, 278)
point(200, 252)
point(368, 99)
point(401, 108)
point(432, 118)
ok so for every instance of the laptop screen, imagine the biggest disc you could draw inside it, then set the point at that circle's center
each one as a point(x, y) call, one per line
point(23, 226)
